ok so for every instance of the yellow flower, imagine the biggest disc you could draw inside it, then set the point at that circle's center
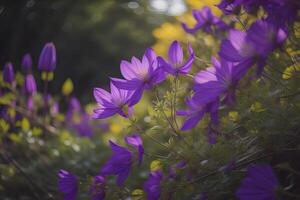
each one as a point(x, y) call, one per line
point(290, 71)
point(198, 4)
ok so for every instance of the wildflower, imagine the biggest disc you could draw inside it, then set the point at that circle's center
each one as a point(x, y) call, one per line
point(47, 60)
point(136, 141)
point(221, 79)
point(152, 185)
point(254, 46)
point(175, 64)
point(205, 21)
point(8, 73)
point(119, 164)
point(26, 63)
point(67, 184)
point(196, 111)
point(115, 102)
point(260, 183)
point(139, 75)
point(97, 190)
point(30, 84)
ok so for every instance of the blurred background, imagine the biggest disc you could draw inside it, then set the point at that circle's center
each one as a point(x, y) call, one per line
point(91, 36)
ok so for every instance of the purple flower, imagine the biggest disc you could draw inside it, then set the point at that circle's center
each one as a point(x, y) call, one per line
point(8, 73)
point(30, 84)
point(175, 64)
point(119, 163)
point(152, 185)
point(221, 79)
point(67, 184)
point(115, 102)
point(140, 75)
point(205, 21)
point(254, 46)
point(196, 111)
point(260, 184)
point(97, 189)
point(26, 63)
point(136, 141)
point(47, 60)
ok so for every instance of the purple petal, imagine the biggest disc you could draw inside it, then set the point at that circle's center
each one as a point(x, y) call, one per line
point(191, 122)
point(127, 70)
point(102, 113)
point(126, 84)
point(175, 53)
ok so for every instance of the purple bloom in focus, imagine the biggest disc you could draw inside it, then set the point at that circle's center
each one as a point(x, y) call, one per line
point(26, 63)
point(47, 60)
point(67, 184)
point(136, 141)
point(196, 111)
point(254, 46)
point(140, 75)
point(221, 79)
point(97, 189)
point(152, 185)
point(115, 102)
point(205, 21)
point(260, 184)
point(8, 73)
point(119, 163)
point(30, 84)
point(175, 64)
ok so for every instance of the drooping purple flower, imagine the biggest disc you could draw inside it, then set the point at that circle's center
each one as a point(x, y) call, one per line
point(136, 141)
point(47, 60)
point(140, 75)
point(8, 73)
point(97, 189)
point(196, 111)
point(254, 46)
point(175, 64)
point(115, 102)
point(67, 184)
point(26, 63)
point(30, 84)
point(152, 186)
point(119, 163)
point(205, 21)
point(218, 81)
point(260, 184)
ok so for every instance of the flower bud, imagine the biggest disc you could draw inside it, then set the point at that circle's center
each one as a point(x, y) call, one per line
point(30, 84)
point(47, 60)
point(8, 73)
point(26, 63)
